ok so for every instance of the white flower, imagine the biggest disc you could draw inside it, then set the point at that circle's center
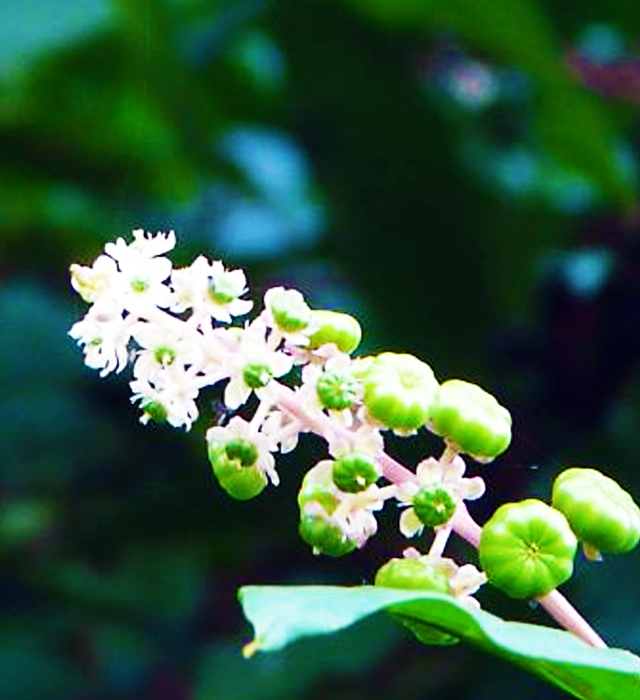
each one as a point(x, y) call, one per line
point(354, 514)
point(95, 282)
point(170, 397)
point(238, 428)
point(252, 365)
point(210, 290)
point(286, 312)
point(162, 346)
point(143, 247)
point(448, 475)
point(105, 335)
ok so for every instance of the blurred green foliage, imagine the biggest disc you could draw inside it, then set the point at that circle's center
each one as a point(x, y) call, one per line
point(438, 169)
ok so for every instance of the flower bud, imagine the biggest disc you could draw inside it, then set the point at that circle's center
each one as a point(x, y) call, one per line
point(235, 466)
point(603, 515)
point(399, 391)
point(354, 472)
point(470, 420)
point(335, 327)
point(527, 549)
point(433, 505)
point(289, 309)
point(416, 573)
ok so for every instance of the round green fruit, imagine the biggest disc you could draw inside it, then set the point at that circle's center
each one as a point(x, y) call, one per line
point(239, 480)
point(334, 327)
point(399, 391)
point(433, 505)
point(527, 549)
point(600, 512)
point(415, 573)
point(354, 472)
point(337, 390)
point(470, 420)
point(324, 536)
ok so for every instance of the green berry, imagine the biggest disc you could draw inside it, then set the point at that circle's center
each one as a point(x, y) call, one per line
point(470, 420)
point(399, 391)
point(419, 573)
point(602, 514)
point(325, 537)
point(433, 505)
point(335, 327)
point(337, 390)
point(527, 549)
point(256, 375)
point(354, 472)
point(239, 480)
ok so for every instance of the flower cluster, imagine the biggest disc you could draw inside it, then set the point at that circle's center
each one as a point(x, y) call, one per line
point(289, 371)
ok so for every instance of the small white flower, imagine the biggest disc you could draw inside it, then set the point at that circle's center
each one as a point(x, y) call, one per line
point(252, 365)
point(354, 514)
point(448, 475)
point(286, 313)
point(95, 282)
point(143, 247)
point(170, 397)
point(162, 346)
point(238, 428)
point(105, 335)
point(210, 290)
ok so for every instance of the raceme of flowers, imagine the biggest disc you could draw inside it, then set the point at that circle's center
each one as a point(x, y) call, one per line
point(289, 370)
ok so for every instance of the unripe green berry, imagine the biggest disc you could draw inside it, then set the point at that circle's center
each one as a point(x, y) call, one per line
point(399, 391)
point(527, 548)
point(433, 505)
point(290, 311)
point(238, 480)
point(324, 536)
point(337, 390)
point(256, 375)
point(354, 472)
point(602, 514)
point(470, 420)
point(415, 573)
point(335, 327)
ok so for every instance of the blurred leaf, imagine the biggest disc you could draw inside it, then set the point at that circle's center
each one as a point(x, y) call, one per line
point(283, 614)
point(571, 123)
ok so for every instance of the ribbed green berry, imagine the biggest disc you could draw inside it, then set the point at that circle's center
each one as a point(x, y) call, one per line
point(240, 480)
point(354, 472)
point(324, 536)
point(290, 311)
point(527, 549)
point(399, 391)
point(601, 513)
point(470, 420)
point(335, 327)
point(433, 505)
point(415, 573)
point(337, 390)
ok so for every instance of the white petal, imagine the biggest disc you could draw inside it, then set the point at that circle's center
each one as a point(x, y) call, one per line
point(410, 524)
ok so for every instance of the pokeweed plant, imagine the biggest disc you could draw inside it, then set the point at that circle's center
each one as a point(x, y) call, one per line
point(292, 371)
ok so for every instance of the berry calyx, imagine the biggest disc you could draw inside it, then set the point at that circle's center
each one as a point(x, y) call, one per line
point(470, 420)
point(600, 512)
point(527, 548)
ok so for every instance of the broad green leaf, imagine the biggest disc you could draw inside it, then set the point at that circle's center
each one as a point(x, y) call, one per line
point(282, 614)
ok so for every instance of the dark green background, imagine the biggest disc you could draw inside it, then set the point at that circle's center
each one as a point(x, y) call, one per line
point(439, 170)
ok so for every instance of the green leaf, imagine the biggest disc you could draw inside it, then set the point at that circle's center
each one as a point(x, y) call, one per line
point(282, 614)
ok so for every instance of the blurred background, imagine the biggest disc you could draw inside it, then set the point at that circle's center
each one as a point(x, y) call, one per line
point(462, 176)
